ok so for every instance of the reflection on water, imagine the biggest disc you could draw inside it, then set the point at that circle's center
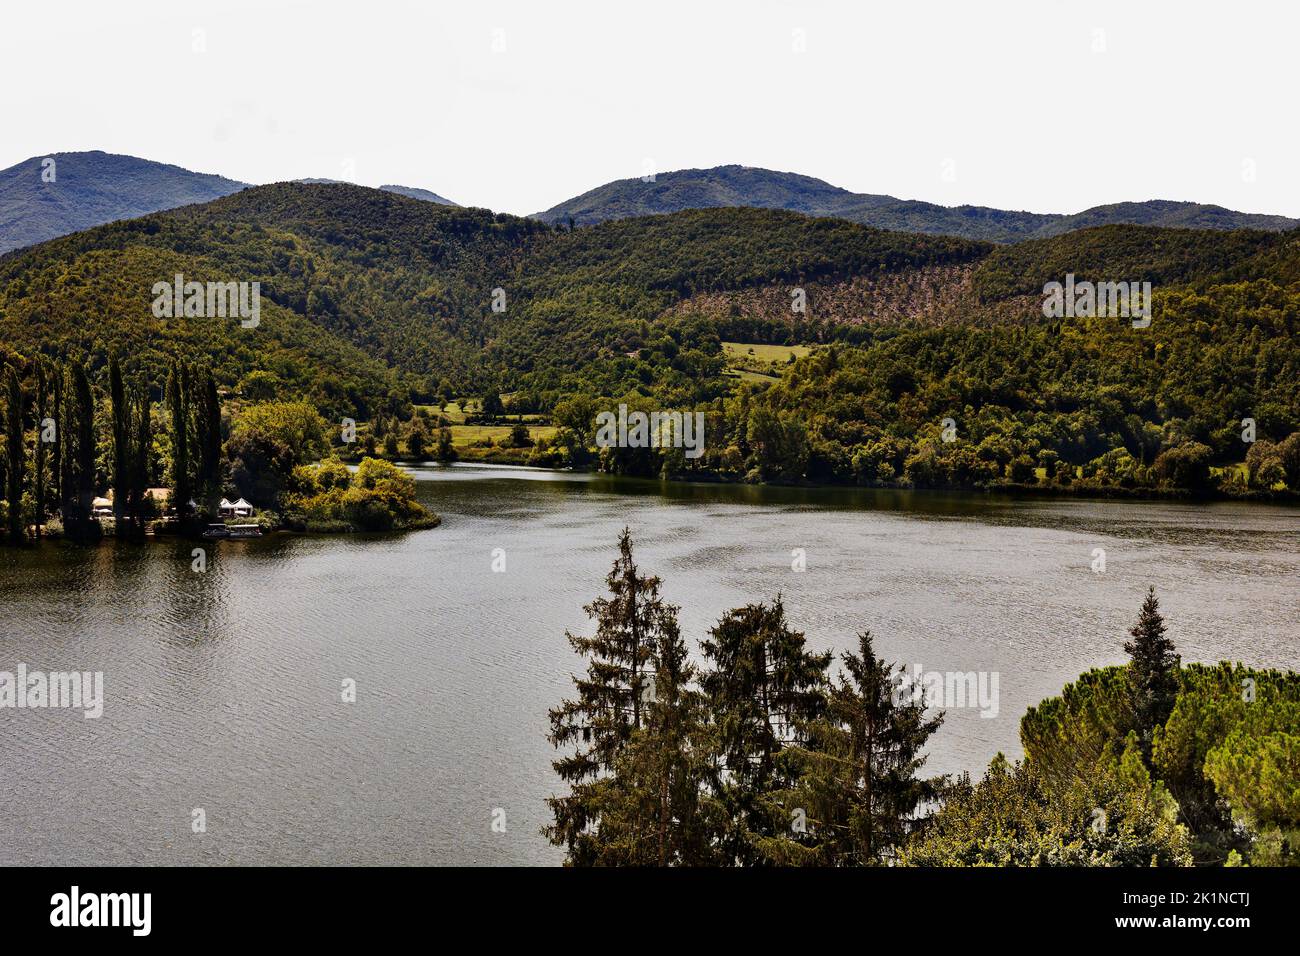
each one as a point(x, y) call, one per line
point(224, 689)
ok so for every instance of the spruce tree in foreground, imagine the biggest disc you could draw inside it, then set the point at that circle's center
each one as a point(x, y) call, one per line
point(653, 811)
point(859, 783)
point(1152, 671)
point(630, 625)
point(762, 689)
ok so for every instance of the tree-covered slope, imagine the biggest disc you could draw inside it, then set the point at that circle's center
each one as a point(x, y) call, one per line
point(411, 284)
point(372, 300)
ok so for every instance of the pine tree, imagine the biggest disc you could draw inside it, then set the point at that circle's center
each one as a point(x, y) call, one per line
point(1152, 671)
point(858, 782)
point(15, 459)
point(762, 690)
point(630, 624)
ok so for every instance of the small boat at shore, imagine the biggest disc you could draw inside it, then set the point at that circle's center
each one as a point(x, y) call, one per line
point(223, 530)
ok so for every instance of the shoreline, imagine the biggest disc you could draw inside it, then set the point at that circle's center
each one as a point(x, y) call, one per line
point(1008, 489)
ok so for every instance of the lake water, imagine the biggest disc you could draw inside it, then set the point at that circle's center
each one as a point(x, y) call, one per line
point(224, 688)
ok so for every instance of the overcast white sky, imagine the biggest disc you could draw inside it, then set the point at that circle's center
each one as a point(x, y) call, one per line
point(1000, 104)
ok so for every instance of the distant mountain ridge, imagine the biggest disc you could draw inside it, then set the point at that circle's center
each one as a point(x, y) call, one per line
point(764, 188)
point(88, 189)
point(415, 192)
point(80, 190)
point(92, 188)
point(411, 192)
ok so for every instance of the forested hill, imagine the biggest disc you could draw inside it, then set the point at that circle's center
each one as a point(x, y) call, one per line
point(765, 188)
point(372, 301)
point(366, 291)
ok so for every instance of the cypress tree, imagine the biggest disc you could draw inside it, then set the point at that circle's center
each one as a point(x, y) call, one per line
point(121, 421)
point(15, 466)
point(762, 690)
point(858, 782)
point(630, 624)
point(42, 453)
point(67, 444)
point(1152, 671)
point(77, 435)
point(141, 448)
point(56, 413)
point(212, 431)
point(178, 406)
point(207, 430)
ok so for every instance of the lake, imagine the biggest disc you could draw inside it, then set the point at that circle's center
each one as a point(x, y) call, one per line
point(224, 689)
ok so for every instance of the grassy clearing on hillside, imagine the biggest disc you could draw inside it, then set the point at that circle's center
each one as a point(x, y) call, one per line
point(747, 376)
point(749, 353)
point(463, 435)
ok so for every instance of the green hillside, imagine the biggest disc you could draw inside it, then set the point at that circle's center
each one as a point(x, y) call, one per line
point(373, 301)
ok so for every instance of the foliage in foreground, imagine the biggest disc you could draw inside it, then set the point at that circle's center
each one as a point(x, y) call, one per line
point(757, 758)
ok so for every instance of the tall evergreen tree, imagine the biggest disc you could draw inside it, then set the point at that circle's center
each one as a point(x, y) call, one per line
point(207, 420)
point(858, 777)
point(121, 420)
point(41, 455)
point(1152, 671)
point(630, 624)
point(763, 688)
point(67, 423)
point(15, 464)
point(56, 449)
point(77, 436)
point(178, 406)
point(141, 450)
point(653, 813)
